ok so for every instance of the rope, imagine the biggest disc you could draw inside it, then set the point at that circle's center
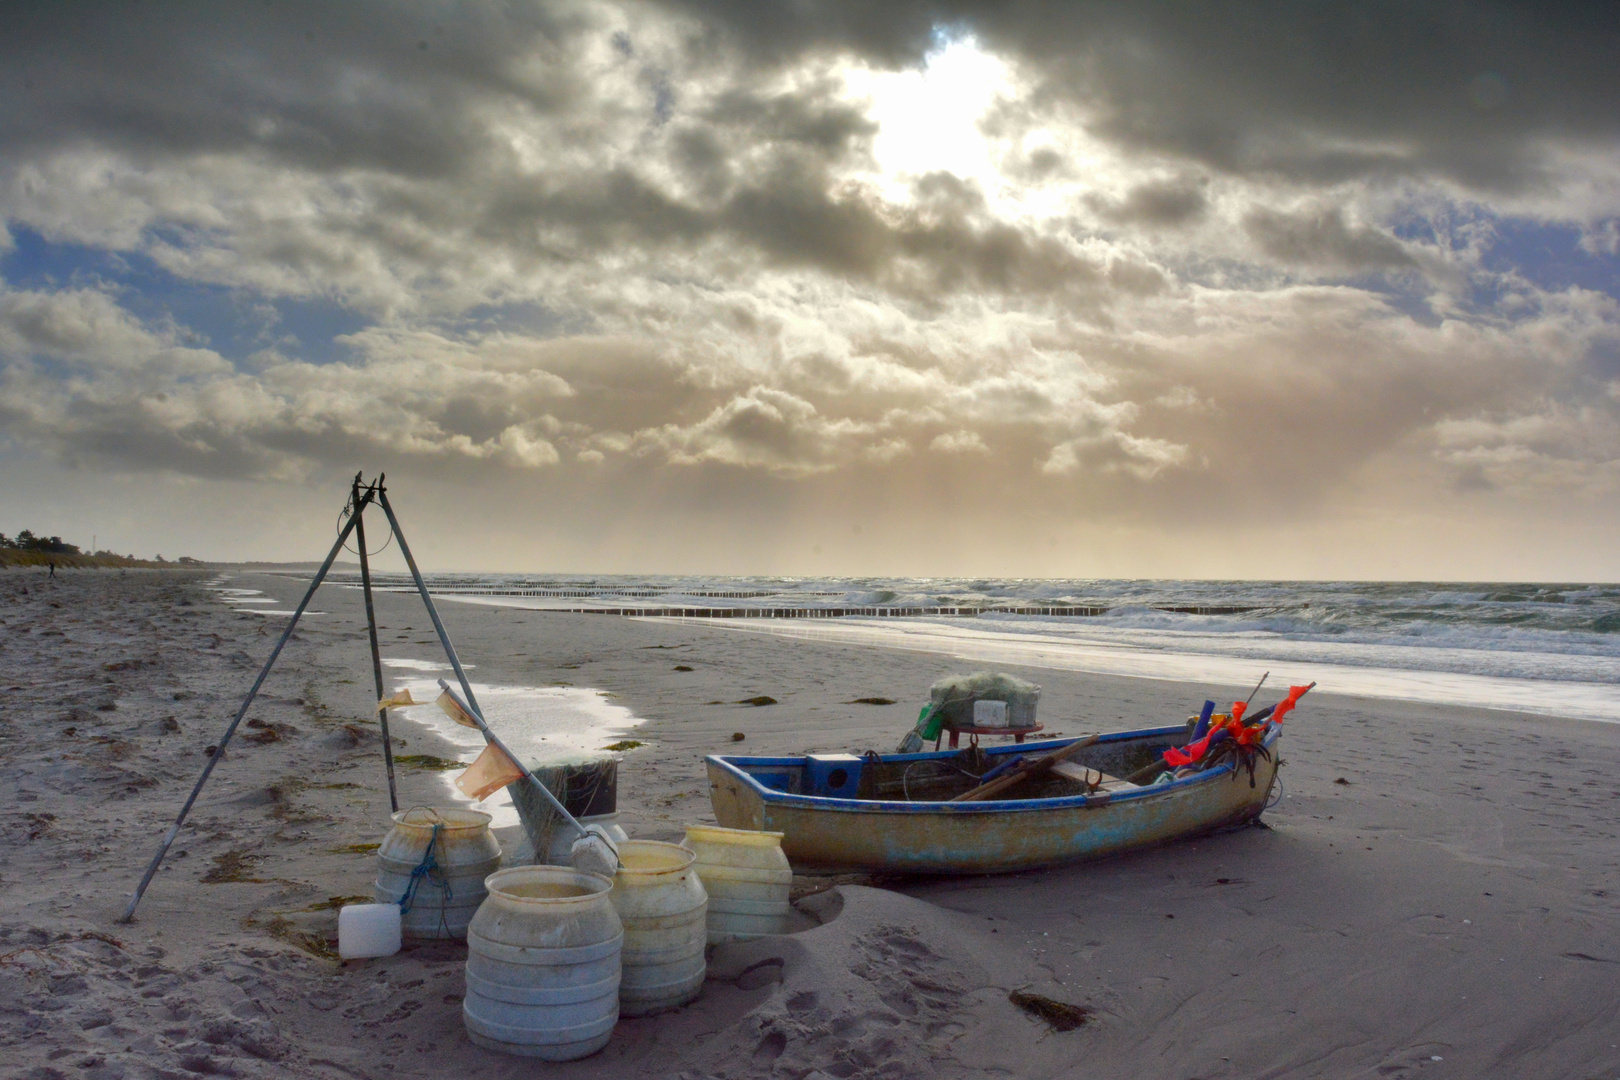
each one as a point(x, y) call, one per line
point(905, 775)
point(427, 868)
point(1276, 797)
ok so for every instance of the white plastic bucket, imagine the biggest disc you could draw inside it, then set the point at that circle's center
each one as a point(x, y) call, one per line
point(747, 877)
point(543, 964)
point(465, 852)
point(664, 909)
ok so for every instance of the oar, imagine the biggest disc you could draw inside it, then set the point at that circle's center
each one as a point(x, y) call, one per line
point(1024, 769)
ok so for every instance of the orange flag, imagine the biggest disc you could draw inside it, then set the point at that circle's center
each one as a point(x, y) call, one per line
point(1286, 705)
point(401, 699)
point(452, 708)
point(492, 771)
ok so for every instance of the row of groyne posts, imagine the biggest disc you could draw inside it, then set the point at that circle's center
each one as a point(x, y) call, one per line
point(878, 611)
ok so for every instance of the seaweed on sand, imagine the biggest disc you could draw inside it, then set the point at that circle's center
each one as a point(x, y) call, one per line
point(1060, 1014)
point(428, 761)
point(233, 866)
point(310, 941)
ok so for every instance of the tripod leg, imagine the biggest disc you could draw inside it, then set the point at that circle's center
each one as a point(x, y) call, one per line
point(174, 830)
point(376, 655)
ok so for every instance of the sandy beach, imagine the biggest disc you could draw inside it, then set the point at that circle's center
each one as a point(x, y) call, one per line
point(1438, 892)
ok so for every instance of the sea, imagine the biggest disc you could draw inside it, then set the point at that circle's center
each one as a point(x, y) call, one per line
point(1549, 648)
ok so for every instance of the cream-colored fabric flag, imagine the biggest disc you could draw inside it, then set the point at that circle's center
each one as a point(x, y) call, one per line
point(400, 700)
point(492, 771)
point(452, 708)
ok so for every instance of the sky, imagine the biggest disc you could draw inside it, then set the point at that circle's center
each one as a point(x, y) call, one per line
point(1274, 290)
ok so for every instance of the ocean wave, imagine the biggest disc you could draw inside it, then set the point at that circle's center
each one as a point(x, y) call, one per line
point(1532, 629)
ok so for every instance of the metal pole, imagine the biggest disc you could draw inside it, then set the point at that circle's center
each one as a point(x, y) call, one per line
point(471, 704)
point(433, 612)
point(490, 736)
point(174, 830)
point(1256, 689)
point(376, 654)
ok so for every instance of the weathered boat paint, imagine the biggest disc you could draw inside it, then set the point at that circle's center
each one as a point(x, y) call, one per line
point(1000, 836)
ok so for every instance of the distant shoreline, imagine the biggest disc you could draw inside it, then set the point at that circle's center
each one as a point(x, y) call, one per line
point(11, 558)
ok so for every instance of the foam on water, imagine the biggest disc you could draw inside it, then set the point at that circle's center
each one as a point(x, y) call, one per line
point(1542, 647)
point(981, 645)
point(422, 665)
point(252, 601)
point(542, 725)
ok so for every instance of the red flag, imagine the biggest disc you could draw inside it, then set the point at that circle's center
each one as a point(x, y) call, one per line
point(1193, 751)
point(1286, 705)
point(1244, 736)
point(1190, 753)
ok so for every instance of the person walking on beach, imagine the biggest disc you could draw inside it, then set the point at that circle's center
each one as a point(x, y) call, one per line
point(52, 574)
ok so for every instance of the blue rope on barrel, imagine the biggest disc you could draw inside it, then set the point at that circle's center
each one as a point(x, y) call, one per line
point(428, 866)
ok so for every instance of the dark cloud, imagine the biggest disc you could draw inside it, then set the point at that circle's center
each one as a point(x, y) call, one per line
point(1040, 165)
point(1319, 92)
point(1159, 203)
point(1321, 238)
point(315, 85)
point(808, 117)
point(943, 245)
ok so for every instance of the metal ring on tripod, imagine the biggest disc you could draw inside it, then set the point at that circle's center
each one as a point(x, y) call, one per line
point(343, 515)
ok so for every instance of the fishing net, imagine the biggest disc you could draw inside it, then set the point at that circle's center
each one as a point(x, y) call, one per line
point(955, 694)
point(587, 788)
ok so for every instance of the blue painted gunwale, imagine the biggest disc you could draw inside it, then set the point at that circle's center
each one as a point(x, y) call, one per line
point(822, 803)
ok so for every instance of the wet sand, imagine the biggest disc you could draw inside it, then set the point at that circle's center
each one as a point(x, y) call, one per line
point(1436, 893)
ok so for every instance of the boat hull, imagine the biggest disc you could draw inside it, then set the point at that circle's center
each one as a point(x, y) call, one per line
point(986, 837)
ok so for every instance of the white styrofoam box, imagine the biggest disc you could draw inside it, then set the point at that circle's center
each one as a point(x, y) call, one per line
point(989, 714)
point(366, 930)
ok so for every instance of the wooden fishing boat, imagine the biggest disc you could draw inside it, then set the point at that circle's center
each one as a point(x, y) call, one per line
point(892, 812)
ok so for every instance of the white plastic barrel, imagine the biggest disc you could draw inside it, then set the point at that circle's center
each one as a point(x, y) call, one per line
point(465, 852)
point(663, 907)
point(747, 876)
point(543, 964)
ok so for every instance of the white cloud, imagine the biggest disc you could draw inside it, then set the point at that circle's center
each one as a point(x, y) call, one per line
point(959, 442)
point(1114, 452)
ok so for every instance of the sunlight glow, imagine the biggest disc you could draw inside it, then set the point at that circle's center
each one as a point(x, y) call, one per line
point(929, 119)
